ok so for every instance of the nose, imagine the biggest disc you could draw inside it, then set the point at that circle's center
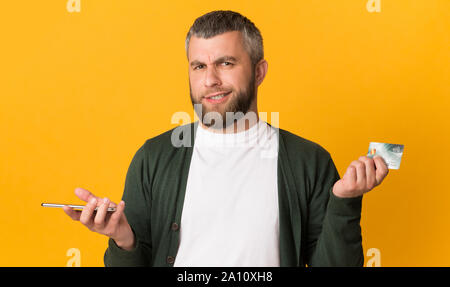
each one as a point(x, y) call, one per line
point(211, 78)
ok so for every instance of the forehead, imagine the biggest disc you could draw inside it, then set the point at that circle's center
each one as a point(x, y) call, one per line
point(228, 43)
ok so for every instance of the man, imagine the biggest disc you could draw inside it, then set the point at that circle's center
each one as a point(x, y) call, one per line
point(223, 201)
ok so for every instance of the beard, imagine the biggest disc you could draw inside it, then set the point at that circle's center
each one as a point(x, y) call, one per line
point(237, 106)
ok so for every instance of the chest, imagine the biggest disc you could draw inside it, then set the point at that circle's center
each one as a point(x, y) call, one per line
point(236, 186)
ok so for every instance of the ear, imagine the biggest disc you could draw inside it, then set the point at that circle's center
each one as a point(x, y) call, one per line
point(260, 71)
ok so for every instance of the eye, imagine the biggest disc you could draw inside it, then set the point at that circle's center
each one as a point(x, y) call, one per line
point(227, 64)
point(198, 67)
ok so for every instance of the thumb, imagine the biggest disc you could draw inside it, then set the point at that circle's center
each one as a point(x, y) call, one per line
point(84, 194)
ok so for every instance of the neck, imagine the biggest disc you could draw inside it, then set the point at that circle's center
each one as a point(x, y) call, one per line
point(246, 122)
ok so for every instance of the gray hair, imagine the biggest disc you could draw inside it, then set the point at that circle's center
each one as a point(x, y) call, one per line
point(218, 22)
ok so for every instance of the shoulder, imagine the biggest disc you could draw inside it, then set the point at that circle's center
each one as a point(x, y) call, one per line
point(164, 146)
point(299, 148)
point(171, 139)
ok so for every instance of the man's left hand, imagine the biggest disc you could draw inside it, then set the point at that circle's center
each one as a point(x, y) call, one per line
point(361, 176)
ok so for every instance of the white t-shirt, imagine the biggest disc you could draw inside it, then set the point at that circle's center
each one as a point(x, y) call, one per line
point(230, 215)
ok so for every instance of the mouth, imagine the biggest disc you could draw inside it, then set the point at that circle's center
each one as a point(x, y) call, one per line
point(217, 98)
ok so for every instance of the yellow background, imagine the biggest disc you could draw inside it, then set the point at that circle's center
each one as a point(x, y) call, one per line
point(81, 92)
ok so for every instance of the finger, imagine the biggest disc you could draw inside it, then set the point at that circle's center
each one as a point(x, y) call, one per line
point(99, 220)
point(380, 162)
point(360, 173)
point(74, 214)
point(84, 194)
point(381, 169)
point(86, 216)
point(350, 176)
point(115, 217)
point(370, 171)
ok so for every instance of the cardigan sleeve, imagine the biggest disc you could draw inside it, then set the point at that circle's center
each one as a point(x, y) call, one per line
point(137, 210)
point(334, 232)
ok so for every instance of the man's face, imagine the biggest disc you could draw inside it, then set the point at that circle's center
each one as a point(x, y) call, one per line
point(221, 75)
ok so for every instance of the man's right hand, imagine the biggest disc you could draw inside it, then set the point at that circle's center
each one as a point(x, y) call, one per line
point(112, 224)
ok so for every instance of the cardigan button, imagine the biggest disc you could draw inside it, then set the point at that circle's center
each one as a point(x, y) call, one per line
point(175, 226)
point(170, 259)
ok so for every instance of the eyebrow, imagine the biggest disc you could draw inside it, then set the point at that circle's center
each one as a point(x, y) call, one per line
point(218, 60)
